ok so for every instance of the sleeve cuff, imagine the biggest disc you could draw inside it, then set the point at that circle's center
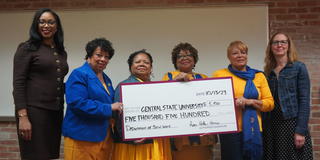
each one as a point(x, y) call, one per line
point(301, 131)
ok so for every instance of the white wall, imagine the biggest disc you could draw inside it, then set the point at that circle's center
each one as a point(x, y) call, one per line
point(209, 29)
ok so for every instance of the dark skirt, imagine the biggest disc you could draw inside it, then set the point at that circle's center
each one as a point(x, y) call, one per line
point(278, 136)
point(45, 137)
point(231, 146)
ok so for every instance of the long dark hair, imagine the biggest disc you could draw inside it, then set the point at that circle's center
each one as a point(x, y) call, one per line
point(35, 39)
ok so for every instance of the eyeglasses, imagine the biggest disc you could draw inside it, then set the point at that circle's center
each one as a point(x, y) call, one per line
point(100, 56)
point(184, 56)
point(275, 43)
point(49, 23)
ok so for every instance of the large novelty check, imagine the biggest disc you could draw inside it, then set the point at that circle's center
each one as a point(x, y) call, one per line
point(162, 109)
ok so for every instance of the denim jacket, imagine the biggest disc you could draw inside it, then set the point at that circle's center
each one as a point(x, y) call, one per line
point(294, 93)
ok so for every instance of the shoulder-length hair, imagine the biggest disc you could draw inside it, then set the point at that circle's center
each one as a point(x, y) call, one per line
point(270, 61)
point(35, 38)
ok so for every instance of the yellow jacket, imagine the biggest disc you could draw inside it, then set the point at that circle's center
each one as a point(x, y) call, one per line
point(184, 141)
point(175, 73)
point(262, 86)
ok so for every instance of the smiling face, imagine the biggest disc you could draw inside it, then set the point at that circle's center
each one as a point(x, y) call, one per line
point(47, 26)
point(141, 66)
point(238, 58)
point(185, 61)
point(280, 45)
point(99, 60)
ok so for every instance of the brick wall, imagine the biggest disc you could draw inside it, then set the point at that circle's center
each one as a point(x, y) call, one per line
point(298, 18)
point(8, 141)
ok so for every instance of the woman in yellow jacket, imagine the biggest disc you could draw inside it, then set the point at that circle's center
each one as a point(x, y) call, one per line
point(184, 57)
point(253, 96)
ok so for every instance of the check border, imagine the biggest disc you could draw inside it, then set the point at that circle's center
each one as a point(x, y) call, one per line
point(173, 81)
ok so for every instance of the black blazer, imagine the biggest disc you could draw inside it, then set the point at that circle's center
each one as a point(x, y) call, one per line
point(38, 77)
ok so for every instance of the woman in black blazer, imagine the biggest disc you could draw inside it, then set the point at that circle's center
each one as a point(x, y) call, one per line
point(40, 65)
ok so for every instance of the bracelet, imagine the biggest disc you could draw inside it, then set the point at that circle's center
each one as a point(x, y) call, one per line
point(22, 115)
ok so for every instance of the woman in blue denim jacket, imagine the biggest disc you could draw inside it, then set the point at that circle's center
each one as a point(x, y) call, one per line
point(286, 134)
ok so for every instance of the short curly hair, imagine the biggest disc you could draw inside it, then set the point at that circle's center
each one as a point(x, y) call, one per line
point(104, 44)
point(183, 47)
